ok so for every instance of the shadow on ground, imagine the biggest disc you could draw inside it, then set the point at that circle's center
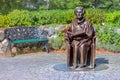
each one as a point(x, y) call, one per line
point(101, 64)
point(101, 61)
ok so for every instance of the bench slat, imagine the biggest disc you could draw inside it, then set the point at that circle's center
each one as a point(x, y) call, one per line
point(29, 40)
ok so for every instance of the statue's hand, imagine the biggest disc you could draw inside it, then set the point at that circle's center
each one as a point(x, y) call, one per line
point(70, 35)
point(78, 33)
point(68, 32)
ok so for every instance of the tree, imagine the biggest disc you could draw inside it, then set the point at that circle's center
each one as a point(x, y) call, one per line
point(9, 5)
point(64, 4)
point(101, 3)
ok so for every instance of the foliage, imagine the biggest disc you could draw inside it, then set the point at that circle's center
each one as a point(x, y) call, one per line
point(111, 47)
point(108, 35)
point(8, 5)
point(96, 16)
point(58, 41)
point(101, 3)
point(64, 4)
point(26, 18)
point(2, 19)
point(113, 17)
point(46, 17)
point(18, 18)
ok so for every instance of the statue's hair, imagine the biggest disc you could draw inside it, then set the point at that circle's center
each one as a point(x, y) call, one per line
point(80, 8)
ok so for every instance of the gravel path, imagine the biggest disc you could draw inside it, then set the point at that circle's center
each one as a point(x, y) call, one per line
point(41, 66)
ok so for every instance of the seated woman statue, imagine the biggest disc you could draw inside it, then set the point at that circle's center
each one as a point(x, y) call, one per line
point(79, 38)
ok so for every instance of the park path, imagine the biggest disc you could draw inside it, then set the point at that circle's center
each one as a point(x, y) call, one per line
point(43, 66)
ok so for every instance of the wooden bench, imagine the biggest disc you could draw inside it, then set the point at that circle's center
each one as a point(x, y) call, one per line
point(25, 35)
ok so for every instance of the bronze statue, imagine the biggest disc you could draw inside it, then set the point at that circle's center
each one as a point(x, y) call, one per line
point(80, 42)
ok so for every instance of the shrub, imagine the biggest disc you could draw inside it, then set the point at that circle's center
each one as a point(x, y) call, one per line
point(52, 17)
point(20, 18)
point(46, 17)
point(57, 42)
point(2, 19)
point(112, 17)
point(106, 34)
point(96, 16)
point(109, 37)
point(111, 47)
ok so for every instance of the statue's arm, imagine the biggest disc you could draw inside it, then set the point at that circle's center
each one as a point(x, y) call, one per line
point(78, 33)
point(86, 32)
point(73, 34)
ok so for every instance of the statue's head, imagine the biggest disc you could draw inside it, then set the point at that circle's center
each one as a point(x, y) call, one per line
point(79, 12)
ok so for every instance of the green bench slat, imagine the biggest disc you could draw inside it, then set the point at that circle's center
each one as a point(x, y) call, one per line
point(29, 40)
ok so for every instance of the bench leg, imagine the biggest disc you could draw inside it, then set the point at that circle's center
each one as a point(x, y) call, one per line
point(10, 50)
point(46, 47)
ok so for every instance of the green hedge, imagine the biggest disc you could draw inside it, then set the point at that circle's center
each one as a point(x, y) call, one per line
point(36, 18)
point(106, 34)
point(20, 18)
point(52, 17)
point(46, 17)
point(4, 21)
point(96, 16)
point(109, 38)
point(113, 17)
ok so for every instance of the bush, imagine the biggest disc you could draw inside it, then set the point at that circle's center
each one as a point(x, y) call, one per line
point(109, 37)
point(57, 42)
point(46, 17)
point(106, 34)
point(112, 17)
point(51, 17)
point(96, 16)
point(20, 18)
point(64, 4)
point(111, 47)
point(2, 19)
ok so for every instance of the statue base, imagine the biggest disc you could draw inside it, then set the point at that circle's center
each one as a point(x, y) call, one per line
point(80, 69)
point(63, 67)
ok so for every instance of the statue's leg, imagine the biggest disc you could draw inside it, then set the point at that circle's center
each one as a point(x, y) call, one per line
point(83, 55)
point(75, 56)
point(92, 55)
point(68, 54)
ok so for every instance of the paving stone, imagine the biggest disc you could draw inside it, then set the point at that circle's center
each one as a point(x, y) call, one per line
point(40, 66)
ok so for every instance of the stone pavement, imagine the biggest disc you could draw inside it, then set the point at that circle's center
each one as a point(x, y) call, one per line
point(41, 66)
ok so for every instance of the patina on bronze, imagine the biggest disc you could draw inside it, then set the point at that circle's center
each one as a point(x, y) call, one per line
point(80, 42)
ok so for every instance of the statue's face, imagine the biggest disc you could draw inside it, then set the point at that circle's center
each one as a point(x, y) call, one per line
point(79, 13)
